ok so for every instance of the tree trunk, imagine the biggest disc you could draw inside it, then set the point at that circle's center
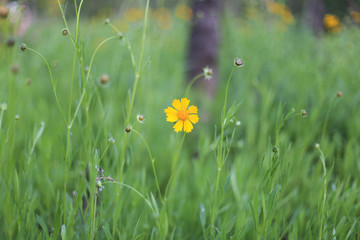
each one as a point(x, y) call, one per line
point(204, 40)
point(314, 15)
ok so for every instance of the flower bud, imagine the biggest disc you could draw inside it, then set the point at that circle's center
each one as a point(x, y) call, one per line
point(98, 184)
point(239, 62)
point(107, 21)
point(104, 78)
point(303, 113)
point(339, 94)
point(28, 81)
point(3, 106)
point(127, 129)
point(65, 31)
point(17, 117)
point(23, 47)
point(140, 118)
point(317, 146)
point(275, 149)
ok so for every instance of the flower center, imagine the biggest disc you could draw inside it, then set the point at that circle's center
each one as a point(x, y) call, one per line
point(182, 114)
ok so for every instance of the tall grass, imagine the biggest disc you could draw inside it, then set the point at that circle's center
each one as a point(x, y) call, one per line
point(78, 163)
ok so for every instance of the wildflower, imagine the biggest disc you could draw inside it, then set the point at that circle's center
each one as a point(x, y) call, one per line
point(134, 15)
point(332, 23)
point(355, 16)
point(281, 10)
point(208, 73)
point(4, 12)
point(182, 115)
point(183, 12)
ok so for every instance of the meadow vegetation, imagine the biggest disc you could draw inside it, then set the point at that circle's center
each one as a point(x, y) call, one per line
point(86, 151)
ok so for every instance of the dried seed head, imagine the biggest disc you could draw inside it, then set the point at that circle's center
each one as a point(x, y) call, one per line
point(104, 78)
point(65, 31)
point(239, 62)
point(23, 47)
point(11, 42)
point(208, 73)
point(128, 129)
point(140, 118)
point(15, 69)
point(303, 113)
point(339, 94)
point(4, 12)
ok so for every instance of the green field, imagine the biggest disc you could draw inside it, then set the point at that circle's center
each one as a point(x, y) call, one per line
point(288, 171)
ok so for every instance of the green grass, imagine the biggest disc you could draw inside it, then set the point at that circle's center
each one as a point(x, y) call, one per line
point(274, 184)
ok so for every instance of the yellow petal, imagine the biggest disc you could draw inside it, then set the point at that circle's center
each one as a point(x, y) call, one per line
point(192, 109)
point(179, 125)
point(193, 118)
point(187, 126)
point(170, 110)
point(184, 103)
point(176, 104)
point(172, 117)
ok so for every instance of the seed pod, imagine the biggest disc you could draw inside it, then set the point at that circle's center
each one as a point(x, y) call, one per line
point(239, 62)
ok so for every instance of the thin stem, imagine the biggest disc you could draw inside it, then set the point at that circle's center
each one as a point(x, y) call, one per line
point(174, 164)
point(136, 191)
point(152, 162)
point(137, 75)
point(52, 82)
point(220, 159)
point(87, 76)
point(192, 82)
point(128, 46)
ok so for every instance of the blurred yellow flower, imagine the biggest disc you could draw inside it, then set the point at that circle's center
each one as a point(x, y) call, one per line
point(183, 12)
point(182, 115)
point(134, 14)
point(281, 10)
point(332, 23)
point(163, 18)
point(355, 16)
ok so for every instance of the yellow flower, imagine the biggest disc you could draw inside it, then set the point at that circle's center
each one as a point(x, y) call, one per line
point(182, 115)
point(332, 23)
point(355, 16)
point(183, 12)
